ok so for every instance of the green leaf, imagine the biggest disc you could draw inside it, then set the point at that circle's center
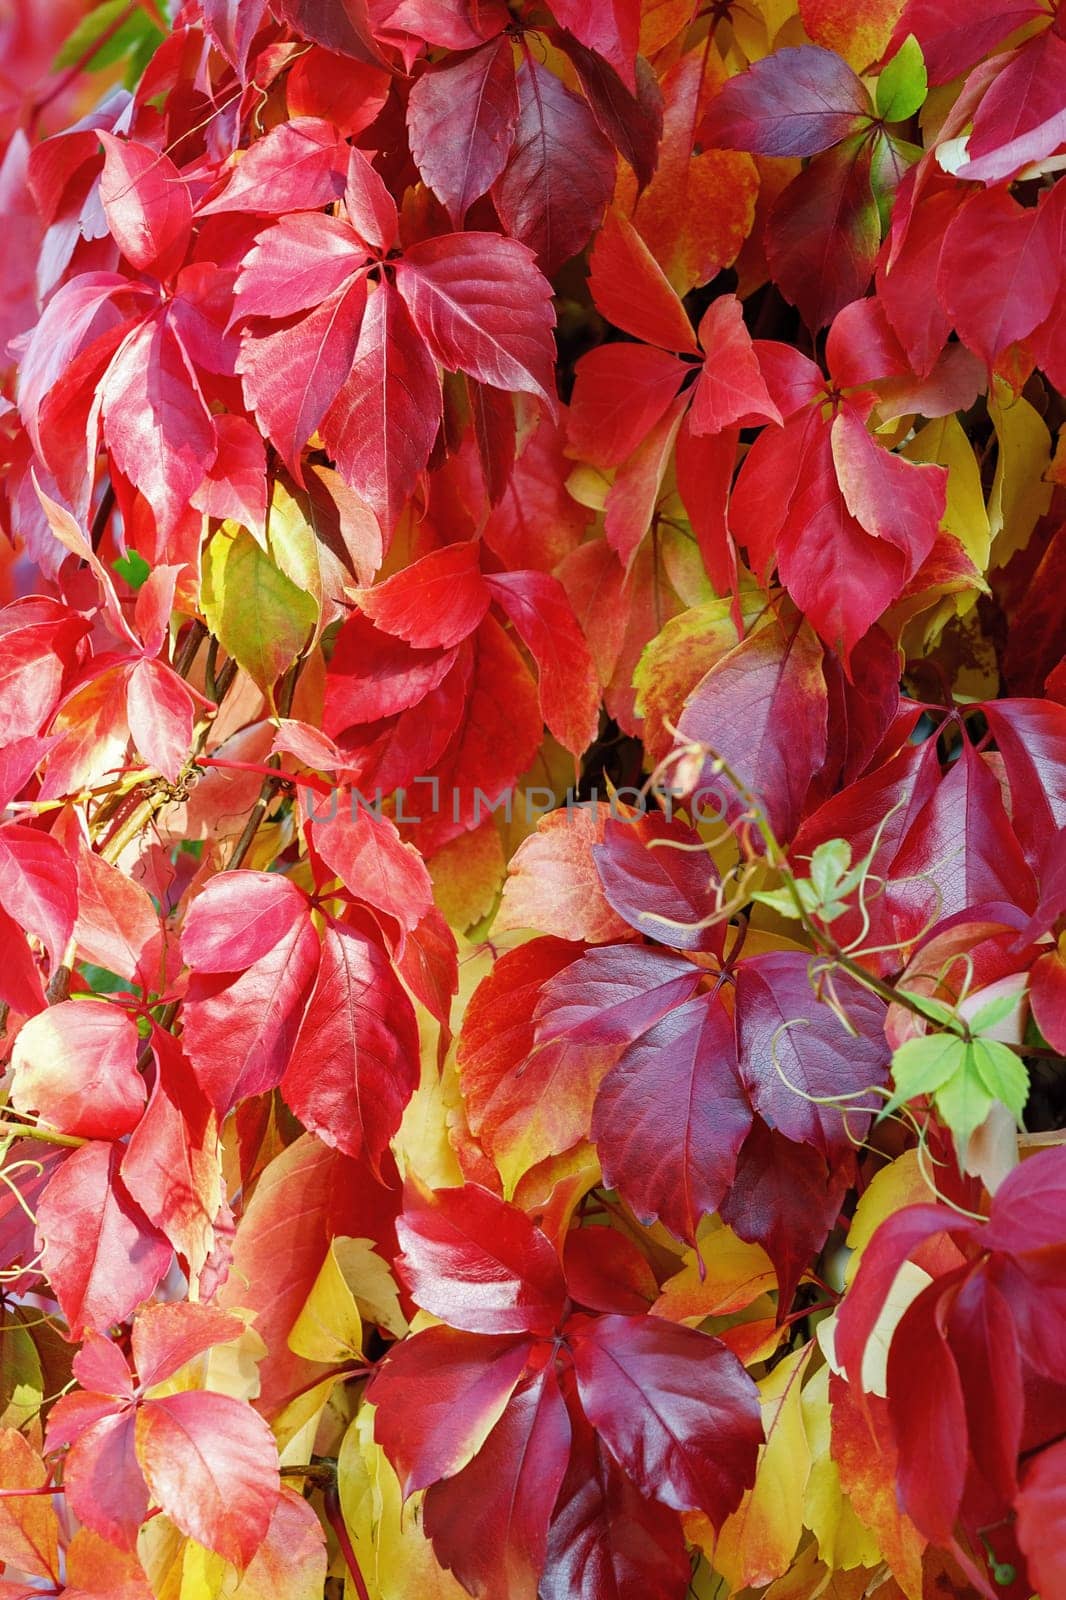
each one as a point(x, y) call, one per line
point(964, 1103)
point(1003, 1073)
point(828, 865)
point(964, 1077)
point(137, 37)
point(778, 900)
point(935, 1010)
point(924, 1065)
point(994, 1011)
point(132, 568)
point(904, 84)
point(257, 614)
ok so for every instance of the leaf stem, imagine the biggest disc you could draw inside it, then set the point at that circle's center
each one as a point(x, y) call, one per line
point(335, 1516)
point(30, 1130)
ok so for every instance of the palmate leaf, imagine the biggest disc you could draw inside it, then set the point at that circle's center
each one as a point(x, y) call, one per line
point(965, 1078)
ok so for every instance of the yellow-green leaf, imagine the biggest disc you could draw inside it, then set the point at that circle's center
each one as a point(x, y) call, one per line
point(257, 614)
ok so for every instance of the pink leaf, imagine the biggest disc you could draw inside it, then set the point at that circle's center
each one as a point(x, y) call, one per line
point(147, 205)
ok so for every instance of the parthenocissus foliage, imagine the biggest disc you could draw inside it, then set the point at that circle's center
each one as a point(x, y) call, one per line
point(533, 783)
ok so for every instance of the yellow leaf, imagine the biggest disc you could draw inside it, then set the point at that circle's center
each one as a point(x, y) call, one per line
point(859, 33)
point(900, 1183)
point(258, 615)
point(468, 874)
point(734, 1275)
point(1019, 497)
point(329, 1327)
point(395, 1557)
point(757, 1543)
point(843, 1540)
point(421, 1145)
point(29, 1527)
point(21, 1377)
point(944, 442)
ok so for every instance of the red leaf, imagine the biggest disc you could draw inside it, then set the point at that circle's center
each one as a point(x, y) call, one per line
point(1047, 997)
point(704, 464)
point(674, 1407)
point(671, 1116)
point(923, 1381)
point(433, 603)
point(381, 427)
point(236, 482)
point(100, 1253)
point(38, 888)
point(605, 1271)
point(438, 1395)
point(795, 1053)
point(161, 713)
point(102, 1477)
point(344, 28)
point(461, 118)
point(984, 1346)
point(367, 854)
point(165, 1337)
point(788, 506)
point(993, 303)
point(934, 878)
point(76, 1066)
point(498, 734)
point(634, 495)
point(211, 1462)
point(606, 1538)
point(480, 1264)
point(896, 500)
point(784, 1198)
point(611, 995)
point(1031, 738)
point(299, 262)
point(370, 207)
point(609, 28)
point(762, 708)
point(918, 320)
point(297, 166)
point(552, 884)
point(631, 119)
point(621, 393)
point(489, 1523)
point(569, 693)
point(157, 423)
point(896, 1239)
point(350, 96)
point(373, 674)
point(730, 388)
point(656, 874)
point(239, 918)
point(308, 1195)
point(632, 291)
point(1041, 1508)
point(553, 190)
point(794, 102)
point(354, 1064)
point(823, 233)
point(171, 1164)
point(292, 375)
point(483, 308)
point(257, 1012)
point(1022, 118)
point(147, 205)
point(231, 25)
